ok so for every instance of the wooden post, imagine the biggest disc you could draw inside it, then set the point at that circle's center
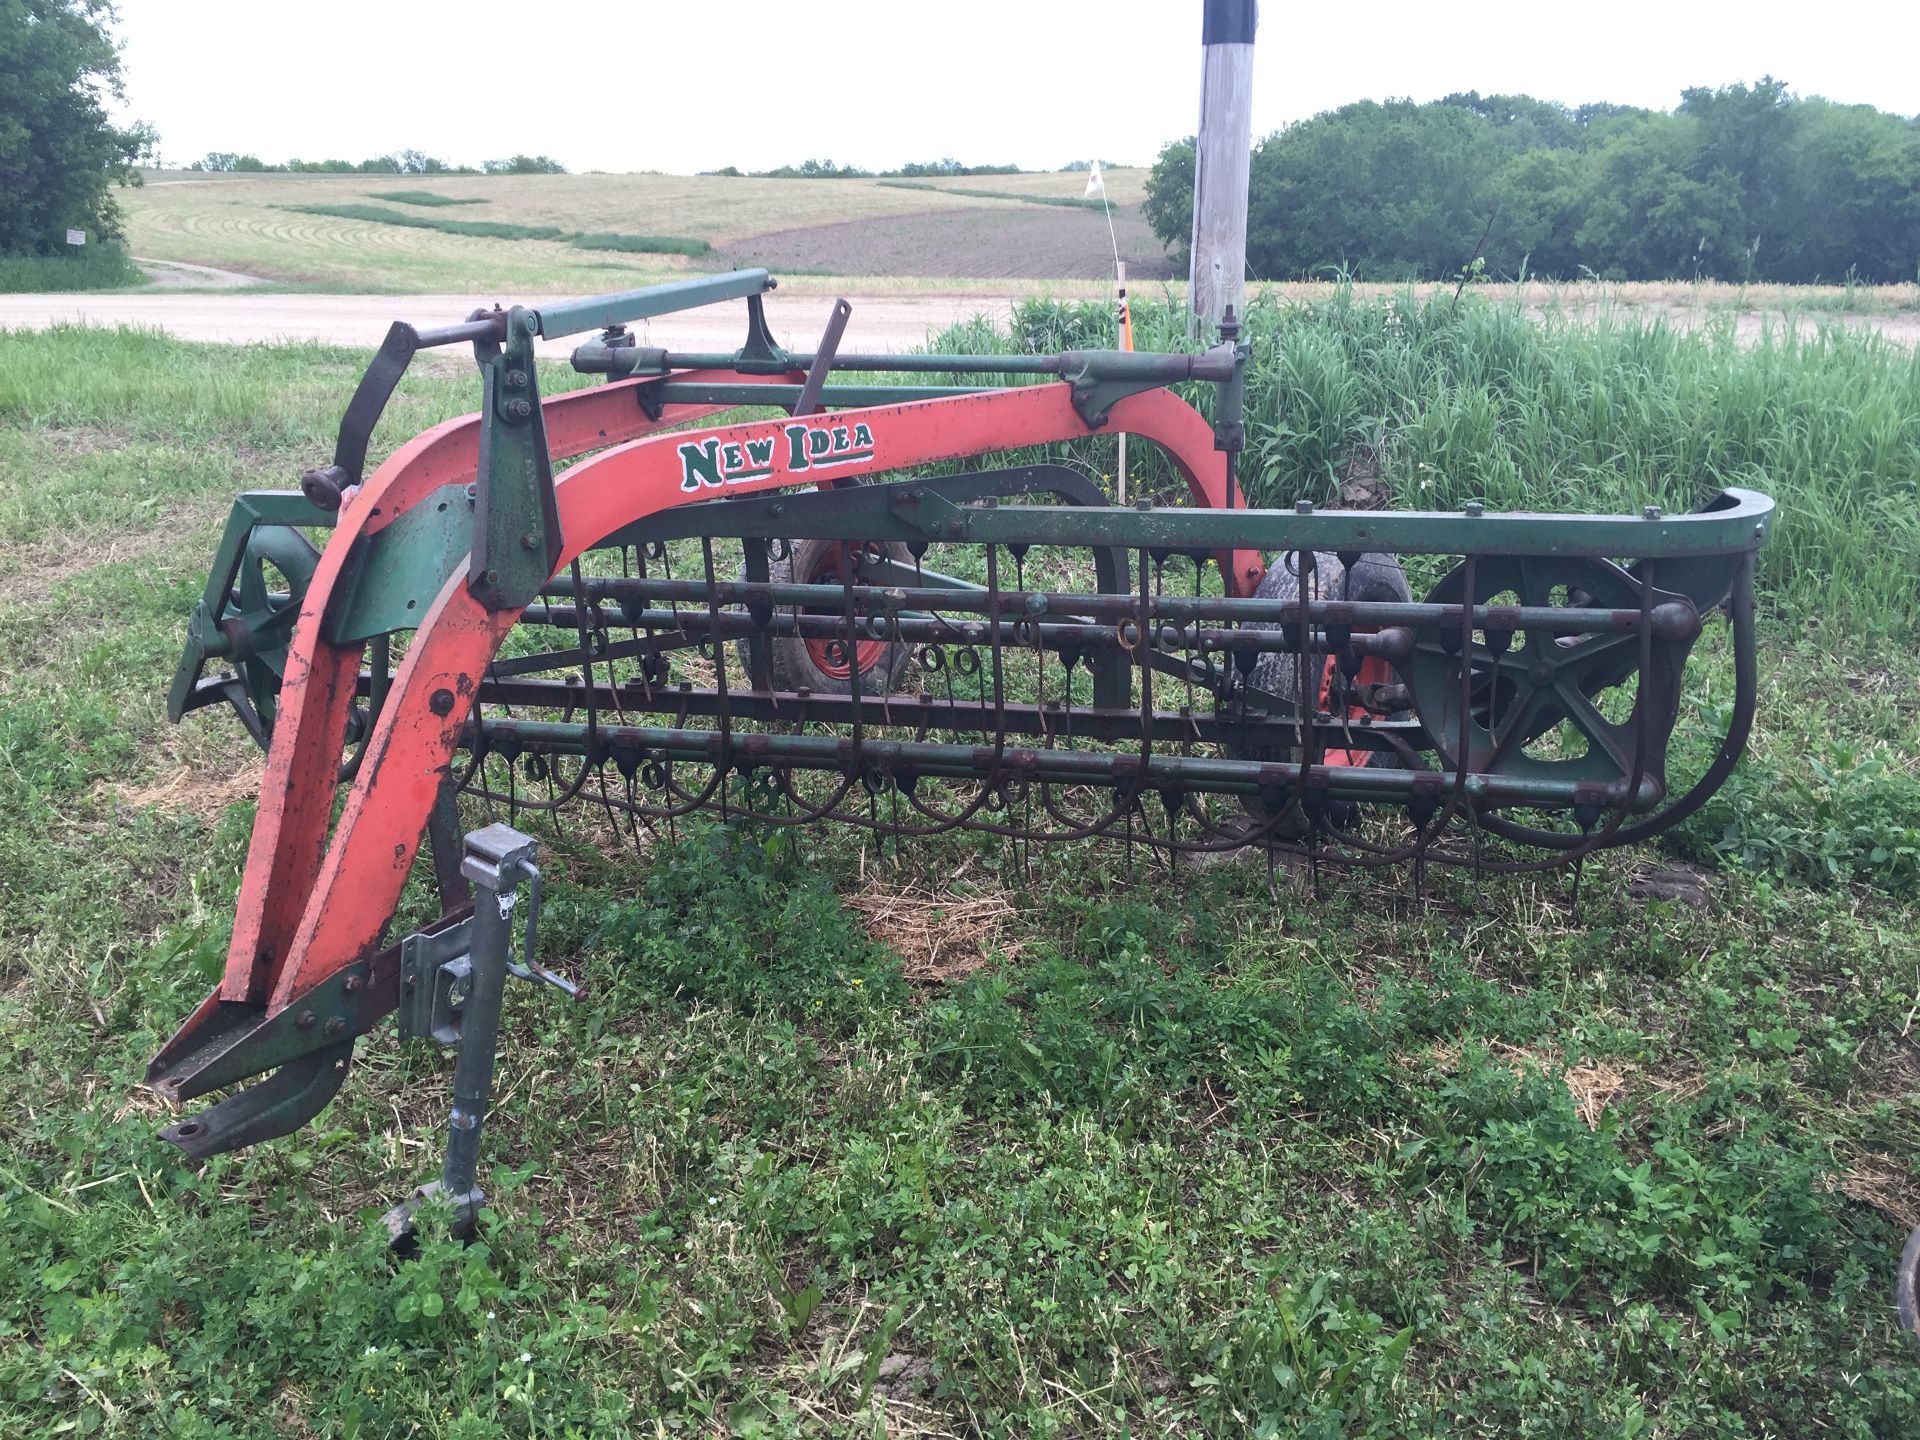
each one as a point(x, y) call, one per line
point(1221, 159)
point(1126, 343)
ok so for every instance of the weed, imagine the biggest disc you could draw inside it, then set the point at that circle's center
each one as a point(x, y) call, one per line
point(103, 265)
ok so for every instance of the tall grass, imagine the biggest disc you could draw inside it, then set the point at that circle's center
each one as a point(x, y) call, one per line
point(100, 266)
point(1449, 401)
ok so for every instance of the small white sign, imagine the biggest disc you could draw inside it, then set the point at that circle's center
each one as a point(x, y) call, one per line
point(76, 237)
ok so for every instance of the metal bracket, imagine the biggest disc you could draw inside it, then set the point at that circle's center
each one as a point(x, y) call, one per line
point(278, 1105)
point(516, 522)
point(498, 860)
point(436, 969)
point(1101, 379)
point(761, 354)
point(392, 576)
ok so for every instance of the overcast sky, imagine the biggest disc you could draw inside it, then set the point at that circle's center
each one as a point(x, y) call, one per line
point(665, 85)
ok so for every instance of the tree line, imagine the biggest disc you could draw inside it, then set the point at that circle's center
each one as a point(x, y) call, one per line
point(828, 170)
point(1739, 183)
point(399, 162)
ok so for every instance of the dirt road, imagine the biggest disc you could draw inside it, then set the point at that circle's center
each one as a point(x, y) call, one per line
point(885, 322)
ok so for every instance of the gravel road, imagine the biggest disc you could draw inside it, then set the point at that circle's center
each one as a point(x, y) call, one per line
point(884, 322)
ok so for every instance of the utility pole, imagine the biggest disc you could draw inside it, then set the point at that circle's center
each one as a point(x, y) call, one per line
point(1221, 158)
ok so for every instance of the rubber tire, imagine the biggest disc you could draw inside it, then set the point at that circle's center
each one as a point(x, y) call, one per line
point(1376, 577)
point(792, 667)
point(1906, 1288)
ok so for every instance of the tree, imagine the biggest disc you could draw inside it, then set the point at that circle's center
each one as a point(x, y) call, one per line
point(1169, 202)
point(524, 165)
point(224, 161)
point(59, 155)
point(1540, 201)
point(1655, 212)
point(1852, 174)
point(1382, 190)
point(1740, 183)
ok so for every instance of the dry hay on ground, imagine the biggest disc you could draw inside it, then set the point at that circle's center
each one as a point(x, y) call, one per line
point(938, 937)
point(201, 794)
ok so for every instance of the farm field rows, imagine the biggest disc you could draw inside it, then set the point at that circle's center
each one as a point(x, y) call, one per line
point(251, 223)
point(1125, 1151)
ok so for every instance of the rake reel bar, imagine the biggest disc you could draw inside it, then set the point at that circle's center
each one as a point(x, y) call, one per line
point(818, 617)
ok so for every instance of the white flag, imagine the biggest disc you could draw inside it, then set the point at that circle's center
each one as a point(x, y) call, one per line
point(1095, 185)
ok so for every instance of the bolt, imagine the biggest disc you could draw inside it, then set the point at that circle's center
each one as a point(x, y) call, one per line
point(776, 511)
point(519, 409)
point(1652, 512)
point(305, 1019)
point(1541, 674)
point(1303, 507)
point(529, 541)
point(1476, 508)
point(441, 703)
point(492, 577)
point(352, 984)
point(336, 1027)
point(516, 379)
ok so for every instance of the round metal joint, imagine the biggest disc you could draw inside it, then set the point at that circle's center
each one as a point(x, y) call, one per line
point(322, 487)
point(1676, 621)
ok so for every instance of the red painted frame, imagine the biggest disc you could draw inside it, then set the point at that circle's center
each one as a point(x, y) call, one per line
point(316, 899)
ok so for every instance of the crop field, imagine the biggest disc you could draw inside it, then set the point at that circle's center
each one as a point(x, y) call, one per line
point(271, 226)
point(857, 1140)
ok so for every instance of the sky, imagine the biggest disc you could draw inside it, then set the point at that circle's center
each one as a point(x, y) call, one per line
point(683, 87)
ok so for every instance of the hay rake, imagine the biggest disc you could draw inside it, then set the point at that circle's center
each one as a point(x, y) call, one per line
point(743, 617)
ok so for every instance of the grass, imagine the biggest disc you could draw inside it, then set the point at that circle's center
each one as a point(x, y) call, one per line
point(509, 230)
point(427, 197)
point(1075, 201)
point(101, 266)
point(1181, 1158)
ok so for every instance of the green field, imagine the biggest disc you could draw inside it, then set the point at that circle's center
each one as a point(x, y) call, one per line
point(1182, 1156)
point(265, 225)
